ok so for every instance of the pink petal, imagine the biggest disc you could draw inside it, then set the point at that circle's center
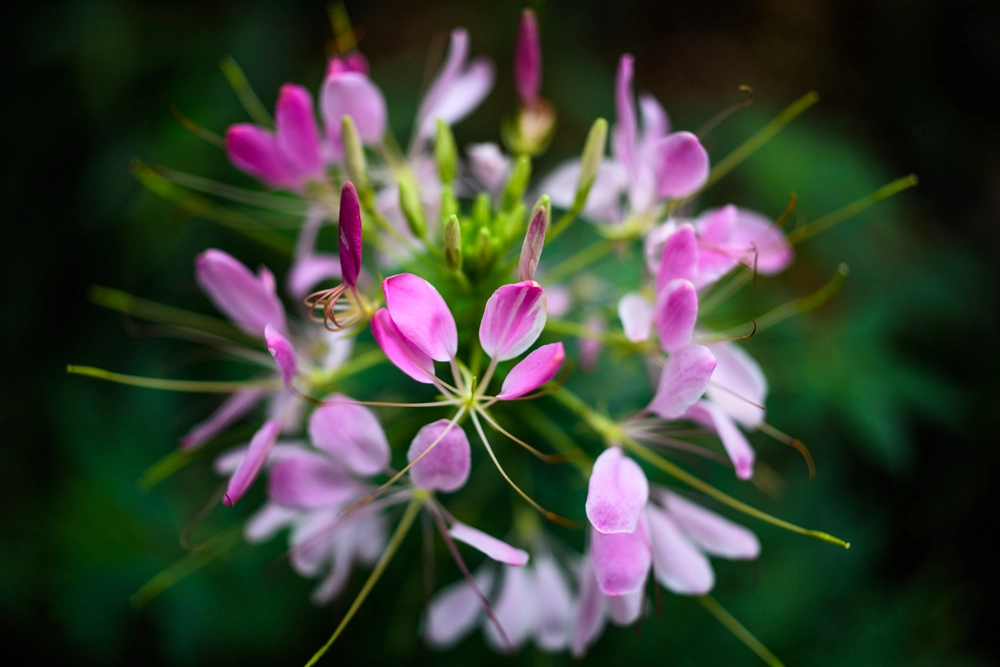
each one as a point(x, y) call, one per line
point(737, 447)
point(590, 347)
point(738, 384)
point(489, 165)
point(655, 123)
point(626, 609)
point(254, 151)
point(421, 315)
point(354, 61)
point(267, 521)
point(715, 534)
point(349, 224)
point(260, 447)
point(589, 612)
point(623, 137)
point(496, 549)
point(676, 313)
point(762, 241)
point(446, 467)
point(234, 407)
point(677, 563)
point(653, 244)
point(621, 560)
point(527, 59)
point(455, 610)
point(558, 300)
point(533, 371)
point(679, 259)
point(353, 94)
point(458, 51)
point(311, 481)
point(603, 202)
point(513, 320)
point(555, 605)
point(515, 609)
point(534, 241)
point(457, 90)
point(351, 434)
point(297, 135)
point(636, 313)
point(283, 352)
point(684, 379)
point(683, 168)
point(309, 271)
point(311, 541)
point(228, 462)
point(617, 493)
point(405, 355)
point(248, 300)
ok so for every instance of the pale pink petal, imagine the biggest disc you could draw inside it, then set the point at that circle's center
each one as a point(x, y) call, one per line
point(260, 447)
point(626, 609)
point(310, 270)
point(737, 447)
point(496, 549)
point(406, 356)
point(354, 61)
point(226, 463)
point(351, 434)
point(254, 151)
point(621, 560)
point(267, 521)
point(684, 379)
point(636, 313)
point(603, 201)
point(623, 137)
point(311, 481)
point(617, 493)
point(555, 605)
point(341, 556)
point(353, 94)
point(560, 184)
point(683, 167)
point(446, 466)
point(738, 384)
point(716, 257)
point(533, 371)
point(679, 259)
point(656, 239)
point(513, 319)
point(421, 315)
point(465, 92)
point(235, 406)
point(248, 300)
point(676, 313)
point(515, 608)
point(715, 534)
point(590, 610)
point(558, 300)
point(528, 59)
point(455, 610)
point(458, 51)
point(590, 346)
point(655, 123)
point(763, 242)
point(489, 165)
point(349, 225)
point(677, 563)
point(311, 541)
point(534, 241)
point(283, 352)
point(296, 134)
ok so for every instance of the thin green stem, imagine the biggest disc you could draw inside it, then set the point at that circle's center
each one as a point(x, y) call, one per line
point(577, 261)
point(611, 339)
point(358, 364)
point(397, 538)
point(281, 204)
point(209, 387)
point(554, 435)
point(735, 627)
point(804, 304)
point(248, 98)
point(565, 221)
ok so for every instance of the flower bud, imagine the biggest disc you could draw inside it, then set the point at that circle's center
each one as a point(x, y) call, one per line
point(482, 209)
point(453, 244)
point(534, 239)
point(484, 247)
point(354, 154)
point(593, 151)
point(409, 202)
point(528, 59)
point(445, 153)
point(516, 183)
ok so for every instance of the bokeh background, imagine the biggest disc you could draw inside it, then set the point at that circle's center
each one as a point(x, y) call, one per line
point(893, 385)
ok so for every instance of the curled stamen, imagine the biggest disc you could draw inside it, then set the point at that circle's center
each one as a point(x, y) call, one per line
point(727, 339)
point(734, 394)
point(793, 200)
point(797, 444)
point(196, 129)
point(547, 458)
point(725, 113)
point(326, 301)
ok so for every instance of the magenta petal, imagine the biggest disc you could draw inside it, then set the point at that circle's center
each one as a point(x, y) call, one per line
point(297, 135)
point(679, 258)
point(555, 605)
point(351, 434)
point(715, 534)
point(533, 371)
point(764, 242)
point(354, 61)
point(512, 320)
point(589, 612)
point(254, 151)
point(636, 313)
point(231, 409)
point(677, 563)
point(737, 447)
point(310, 270)
point(684, 379)
point(496, 549)
point(309, 481)
point(350, 234)
point(626, 609)
point(405, 355)
point(617, 493)
point(527, 59)
point(446, 467)
point(676, 313)
point(455, 610)
point(421, 315)
point(621, 560)
point(683, 166)
point(283, 352)
point(248, 300)
point(353, 94)
point(738, 384)
point(246, 473)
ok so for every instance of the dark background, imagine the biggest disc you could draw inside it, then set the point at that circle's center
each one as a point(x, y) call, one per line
point(893, 385)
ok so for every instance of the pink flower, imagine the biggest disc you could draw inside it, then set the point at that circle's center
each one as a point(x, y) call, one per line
point(528, 60)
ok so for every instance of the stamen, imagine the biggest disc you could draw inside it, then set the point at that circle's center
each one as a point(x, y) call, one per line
point(200, 517)
point(248, 98)
point(734, 394)
point(732, 338)
point(806, 303)
point(791, 442)
point(174, 385)
point(547, 458)
point(740, 632)
point(793, 200)
point(551, 516)
point(196, 129)
point(725, 113)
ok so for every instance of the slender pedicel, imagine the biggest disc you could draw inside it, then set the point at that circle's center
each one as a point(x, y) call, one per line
point(738, 630)
point(800, 234)
point(208, 387)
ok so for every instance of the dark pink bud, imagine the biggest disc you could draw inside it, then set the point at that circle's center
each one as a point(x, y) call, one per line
point(528, 59)
point(350, 234)
point(349, 62)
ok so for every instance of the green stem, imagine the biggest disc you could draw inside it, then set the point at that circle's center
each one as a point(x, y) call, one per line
point(803, 304)
point(174, 385)
point(578, 261)
point(248, 98)
point(735, 627)
point(390, 550)
point(611, 339)
point(553, 434)
point(565, 221)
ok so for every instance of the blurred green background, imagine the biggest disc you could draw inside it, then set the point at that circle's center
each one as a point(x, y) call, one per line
point(892, 384)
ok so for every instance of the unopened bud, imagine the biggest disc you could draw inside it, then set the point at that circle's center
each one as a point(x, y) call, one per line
point(517, 183)
point(528, 59)
point(453, 244)
point(593, 152)
point(445, 153)
point(484, 247)
point(409, 201)
point(482, 209)
point(534, 239)
point(354, 154)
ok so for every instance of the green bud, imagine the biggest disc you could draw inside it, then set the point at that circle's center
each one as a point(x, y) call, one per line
point(453, 244)
point(449, 204)
point(517, 183)
point(409, 201)
point(484, 248)
point(482, 209)
point(354, 155)
point(593, 151)
point(445, 153)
